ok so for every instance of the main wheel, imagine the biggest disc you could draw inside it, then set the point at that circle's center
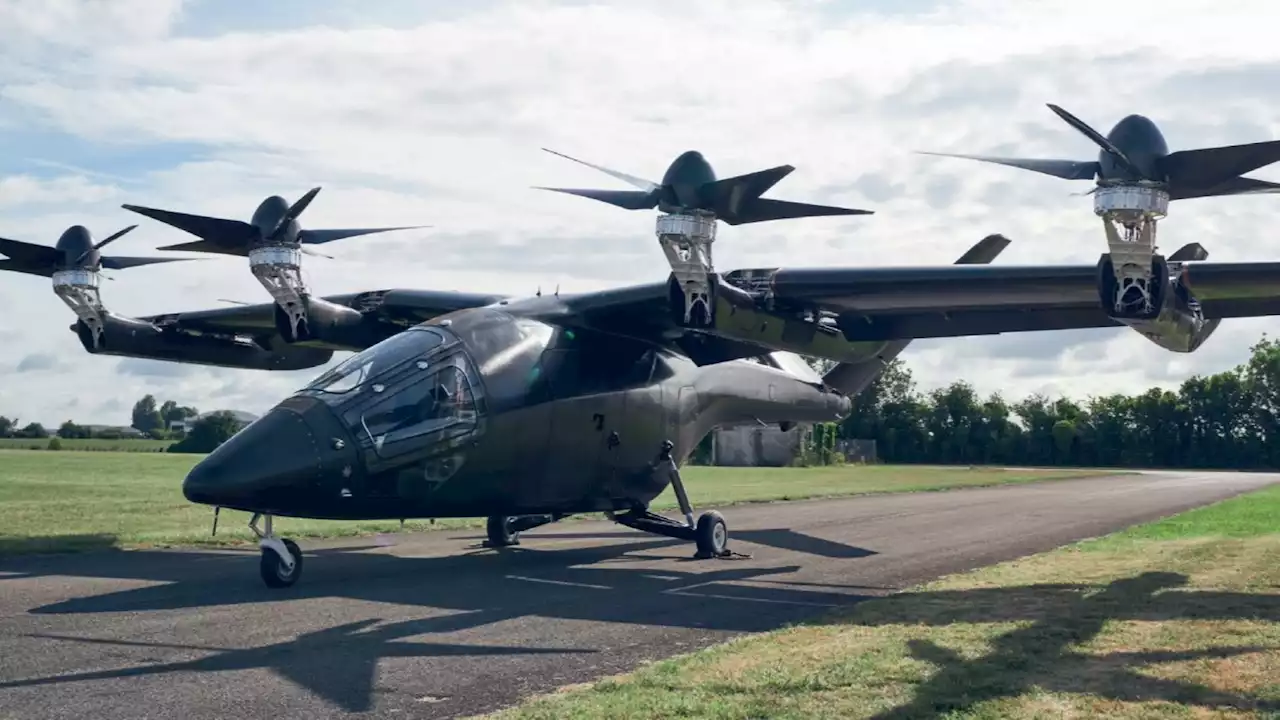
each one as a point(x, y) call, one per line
point(500, 532)
point(273, 569)
point(712, 535)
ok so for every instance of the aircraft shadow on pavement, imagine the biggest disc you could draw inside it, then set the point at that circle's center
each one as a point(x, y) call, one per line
point(1042, 655)
point(615, 582)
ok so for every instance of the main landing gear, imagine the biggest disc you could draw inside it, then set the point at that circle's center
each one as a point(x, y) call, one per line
point(504, 531)
point(281, 563)
point(710, 533)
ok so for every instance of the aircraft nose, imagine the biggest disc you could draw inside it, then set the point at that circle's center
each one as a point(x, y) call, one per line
point(260, 467)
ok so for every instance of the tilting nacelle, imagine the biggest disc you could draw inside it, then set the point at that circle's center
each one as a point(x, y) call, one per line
point(128, 337)
point(310, 320)
point(1130, 212)
point(1166, 313)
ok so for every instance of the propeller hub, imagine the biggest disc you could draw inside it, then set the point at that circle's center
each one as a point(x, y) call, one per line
point(1141, 142)
point(690, 168)
point(75, 240)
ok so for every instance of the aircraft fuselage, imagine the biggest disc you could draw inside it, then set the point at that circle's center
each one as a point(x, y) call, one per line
point(482, 412)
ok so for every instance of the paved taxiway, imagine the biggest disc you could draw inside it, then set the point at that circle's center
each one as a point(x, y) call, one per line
point(432, 626)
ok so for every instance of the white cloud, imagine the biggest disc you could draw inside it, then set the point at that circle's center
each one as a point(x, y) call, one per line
point(439, 122)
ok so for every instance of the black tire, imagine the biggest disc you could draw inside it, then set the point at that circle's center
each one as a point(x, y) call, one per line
point(500, 532)
point(712, 535)
point(273, 570)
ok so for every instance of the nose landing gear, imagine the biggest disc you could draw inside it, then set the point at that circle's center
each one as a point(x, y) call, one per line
point(281, 563)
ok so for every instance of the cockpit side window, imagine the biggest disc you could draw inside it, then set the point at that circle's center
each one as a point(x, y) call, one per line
point(441, 404)
point(377, 360)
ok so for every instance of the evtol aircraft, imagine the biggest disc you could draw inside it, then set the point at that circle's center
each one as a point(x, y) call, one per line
point(525, 410)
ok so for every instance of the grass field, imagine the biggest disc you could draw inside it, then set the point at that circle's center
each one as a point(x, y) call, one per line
point(87, 444)
point(60, 501)
point(1175, 619)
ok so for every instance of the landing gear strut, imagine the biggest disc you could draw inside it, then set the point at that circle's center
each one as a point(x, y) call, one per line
point(281, 564)
point(504, 530)
point(710, 533)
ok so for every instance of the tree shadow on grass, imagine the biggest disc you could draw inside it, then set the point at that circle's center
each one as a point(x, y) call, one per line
point(1043, 655)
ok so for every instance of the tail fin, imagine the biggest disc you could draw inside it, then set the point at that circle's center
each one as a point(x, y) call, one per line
point(853, 378)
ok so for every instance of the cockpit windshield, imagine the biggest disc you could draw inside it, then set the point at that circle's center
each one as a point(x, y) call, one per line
point(376, 360)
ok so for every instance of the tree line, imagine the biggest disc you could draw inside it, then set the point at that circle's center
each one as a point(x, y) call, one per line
point(1225, 420)
point(152, 420)
point(156, 421)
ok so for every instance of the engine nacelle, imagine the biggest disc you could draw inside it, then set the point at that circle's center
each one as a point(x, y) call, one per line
point(1176, 321)
point(128, 337)
point(328, 324)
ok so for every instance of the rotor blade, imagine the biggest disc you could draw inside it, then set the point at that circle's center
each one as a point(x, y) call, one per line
point(294, 211)
point(207, 246)
point(1208, 167)
point(22, 267)
point(219, 231)
point(762, 210)
point(124, 263)
point(1098, 138)
point(1234, 186)
point(104, 243)
point(730, 195)
point(625, 199)
point(114, 237)
point(30, 253)
point(316, 253)
point(318, 237)
point(646, 185)
point(1065, 169)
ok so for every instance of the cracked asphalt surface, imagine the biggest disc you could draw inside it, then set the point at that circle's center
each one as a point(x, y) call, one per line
point(433, 626)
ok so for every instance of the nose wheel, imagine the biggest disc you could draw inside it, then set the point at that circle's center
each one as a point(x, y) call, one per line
point(281, 563)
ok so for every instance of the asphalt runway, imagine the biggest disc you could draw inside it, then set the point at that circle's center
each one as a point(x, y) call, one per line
point(433, 626)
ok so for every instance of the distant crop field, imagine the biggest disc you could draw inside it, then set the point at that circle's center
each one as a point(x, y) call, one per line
point(87, 444)
point(58, 501)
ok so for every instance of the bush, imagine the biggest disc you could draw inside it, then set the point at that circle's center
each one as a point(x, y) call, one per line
point(55, 443)
point(207, 434)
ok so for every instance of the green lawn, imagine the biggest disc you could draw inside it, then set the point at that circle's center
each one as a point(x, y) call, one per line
point(1179, 618)
point(88, 444)
point(78, 500)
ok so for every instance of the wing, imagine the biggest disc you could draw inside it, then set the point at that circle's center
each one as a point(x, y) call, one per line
point(850, 314)
point(928, 302)
point(372, 316)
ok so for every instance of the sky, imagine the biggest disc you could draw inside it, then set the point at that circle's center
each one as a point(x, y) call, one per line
point(429, 112)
